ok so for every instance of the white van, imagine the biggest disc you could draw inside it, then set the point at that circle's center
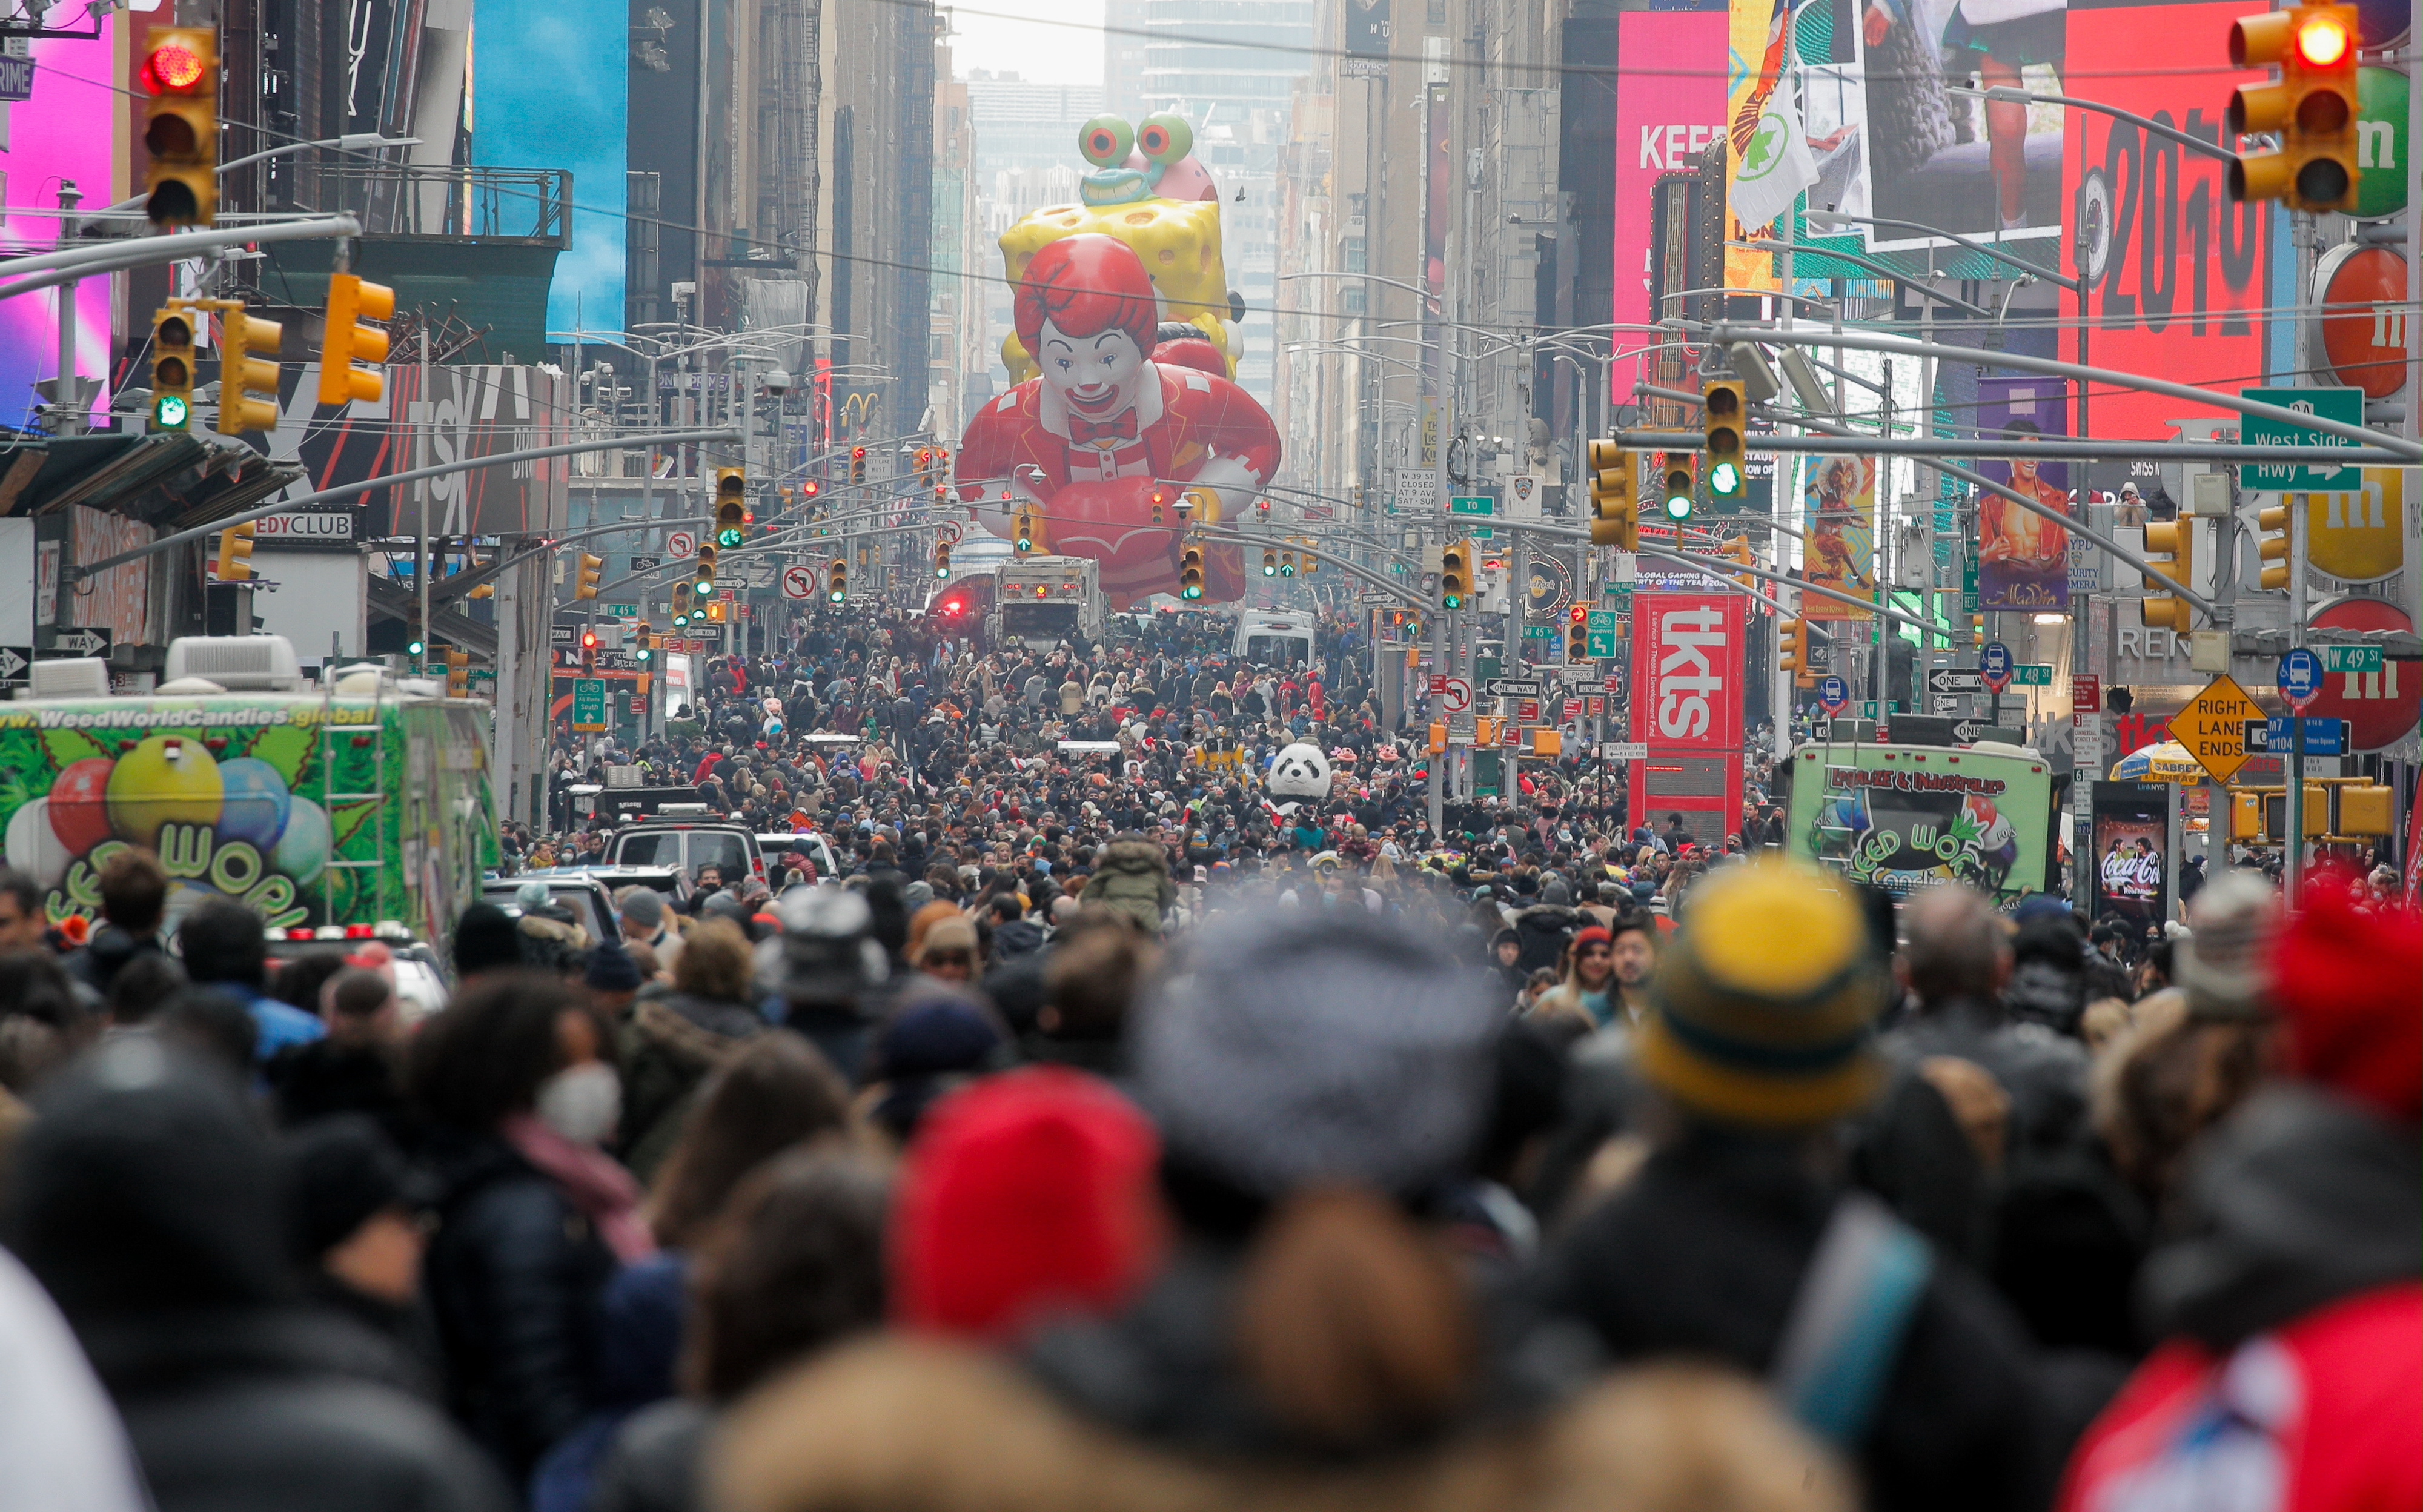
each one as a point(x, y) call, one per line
point(1267, 638)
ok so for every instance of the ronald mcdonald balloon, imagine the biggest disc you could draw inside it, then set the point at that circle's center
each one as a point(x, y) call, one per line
point(1121, 442)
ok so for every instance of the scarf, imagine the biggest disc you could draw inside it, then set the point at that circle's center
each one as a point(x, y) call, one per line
point(593, 1181)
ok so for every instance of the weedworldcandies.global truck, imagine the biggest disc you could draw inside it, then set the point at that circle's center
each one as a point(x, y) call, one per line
point(364, 802)
point(1908, 816)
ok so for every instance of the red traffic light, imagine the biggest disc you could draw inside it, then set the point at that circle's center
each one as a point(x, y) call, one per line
point(172, 69)
point(811, 488)
point(589, 640)
point(858, 454)
point(1581, 614)
point(2323, 41)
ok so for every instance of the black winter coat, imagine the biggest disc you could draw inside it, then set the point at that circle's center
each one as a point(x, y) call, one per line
point(515, 1275)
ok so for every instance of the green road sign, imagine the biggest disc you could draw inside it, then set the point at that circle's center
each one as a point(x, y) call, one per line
point(1602, 635)
point(2032, 675)
point(589, 703)
point(1969, 578)
point(2343, 405)
point(1471, 505)
point(624, 611)
point(2351, 659)
point(1539, 632)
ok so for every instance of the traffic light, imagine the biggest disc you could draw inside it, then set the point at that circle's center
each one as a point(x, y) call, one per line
point(351, 301)
point(1455, 574)
point(1270, 562)
point(1674, 484)
point(416, 651)
point(1722, 415)
point(715, 611)
point(1615, 496)
point(682, 605)
point(858, 464)
point(838, 581)
point(809, 490)
point(2273, 525)
point(2170, 545)
point(1190, 571)
point(1031, 540)
point(1309, 563)
point(1792, 652)
point(243, 374)
point(731, 508)
point(2312, 105)
point(703, 574)
point(181, 131)
point(1287, 563)
point(643, 642)
point(584, 583)
point(1736, 548)
point(589, 651)
point(172, 368)
point(942, 559)
point(235, 553)
point(458, 673)
point(1577, 635)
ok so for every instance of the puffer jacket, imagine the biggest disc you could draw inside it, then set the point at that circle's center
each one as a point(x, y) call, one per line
point(669, 1044)
point(901, 1425)
point(1543, 928)
point(1133, 878)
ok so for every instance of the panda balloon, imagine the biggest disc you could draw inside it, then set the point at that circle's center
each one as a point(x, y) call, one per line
point(1299, 773)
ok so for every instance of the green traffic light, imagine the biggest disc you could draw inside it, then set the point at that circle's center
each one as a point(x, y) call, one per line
point(943, 573)
point(1453, 600)
point(729, 538)
point(1724, 480)
point(416, 651)
point(170, 412)
point(1678, 506)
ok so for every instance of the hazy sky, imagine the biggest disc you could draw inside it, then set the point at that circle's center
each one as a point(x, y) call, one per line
point(1045, 54)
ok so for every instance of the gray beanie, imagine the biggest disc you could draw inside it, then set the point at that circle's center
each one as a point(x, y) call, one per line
point(643, 906)
point(1555, 894)
point(1289, 1047)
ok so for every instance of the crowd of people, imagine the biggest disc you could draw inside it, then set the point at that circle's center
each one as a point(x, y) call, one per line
point(1137, 1143)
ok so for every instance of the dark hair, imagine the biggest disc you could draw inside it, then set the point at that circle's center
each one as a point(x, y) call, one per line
point(298, 981)
point(222, 941)
point(483, 1058)
point(133, 889)
point(794, 1263)
point(215, 1024)
point(776, 1091)
point(143, 984)
point(34, 985)
point(1634, 921)
point(28, 893)
point(1092, 977)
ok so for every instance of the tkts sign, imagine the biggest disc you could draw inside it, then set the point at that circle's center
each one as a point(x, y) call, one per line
point(1687, 684)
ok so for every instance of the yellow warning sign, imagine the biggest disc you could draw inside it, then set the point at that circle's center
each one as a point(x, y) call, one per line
point(2213, 727)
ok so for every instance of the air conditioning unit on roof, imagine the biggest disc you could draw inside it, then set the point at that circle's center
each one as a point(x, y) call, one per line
point(251, 663)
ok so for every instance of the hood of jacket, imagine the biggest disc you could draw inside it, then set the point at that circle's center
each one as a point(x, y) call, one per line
point(1131, 858)
point(2297, 1198)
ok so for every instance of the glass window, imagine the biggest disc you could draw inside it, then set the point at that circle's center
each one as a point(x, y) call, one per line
point(727, 852)
point(662, 849)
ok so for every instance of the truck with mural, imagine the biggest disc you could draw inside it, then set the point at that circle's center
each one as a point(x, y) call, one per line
point(1910, 817)
point(365, 802)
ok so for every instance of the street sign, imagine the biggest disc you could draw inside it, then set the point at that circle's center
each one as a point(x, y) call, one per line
point(1528, 710)
point(1627, 750)
point(1834, 695)
point(646, 564)
point(1994, 666)
point(80, 643)
point(799, 581)
point(14, 662)
point(2351, 659)
point(1513, 688)
point(950, 532)
point(2301, 678)
point(2345, 404)
point(1471, 505)
point(1454, 694)
point(1618, 682)
point(1953, 681)
point(681, 545)
point(563, 635)
point(588, 705)
point(2213, 727)
point(2273, 737)
point(1602, 634)
point(2033, 675)
point(1573, 711)
point(2086, 693)
point(624, 611)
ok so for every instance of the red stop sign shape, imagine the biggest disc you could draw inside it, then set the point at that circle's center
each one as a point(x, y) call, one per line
point(2385, 704)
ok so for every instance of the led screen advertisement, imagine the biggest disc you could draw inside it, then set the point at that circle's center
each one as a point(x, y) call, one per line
point(1669, 106)
point(64, 132)
point(548, 91)
point(2129, 832)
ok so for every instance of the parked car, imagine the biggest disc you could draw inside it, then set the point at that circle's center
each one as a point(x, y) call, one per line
point(772, 846)
point(669, 880)
point(688, 843)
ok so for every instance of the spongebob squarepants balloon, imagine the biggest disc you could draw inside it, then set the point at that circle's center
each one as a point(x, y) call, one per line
point(1124, 427)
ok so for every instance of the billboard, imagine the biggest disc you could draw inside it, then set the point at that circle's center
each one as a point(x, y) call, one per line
point(1665, 118)
point(480, 410)
point(1885, 815)
point(1839, 502)
point(1688, 679)
point(2129, 832)
point(550, 91)
point(2023, 559)
point(2176, 270)
point(64, 132)
point(1366, 38)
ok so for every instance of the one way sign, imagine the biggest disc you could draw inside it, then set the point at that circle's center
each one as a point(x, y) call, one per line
point(79, 643)
point(15, 661)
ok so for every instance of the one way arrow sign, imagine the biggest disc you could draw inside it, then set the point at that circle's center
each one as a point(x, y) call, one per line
point(1953, 681)
point(80, 643)
point(14, 660)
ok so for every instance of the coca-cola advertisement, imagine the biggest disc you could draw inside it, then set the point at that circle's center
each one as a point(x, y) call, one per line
point(1687, 706)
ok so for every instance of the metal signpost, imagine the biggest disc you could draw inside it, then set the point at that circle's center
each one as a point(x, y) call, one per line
point(2301, 683)
point(1994, 671)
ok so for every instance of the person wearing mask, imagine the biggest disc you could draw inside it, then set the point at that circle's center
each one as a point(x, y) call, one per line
point(222, 945)
point(1736, 1240)
point(147, 1199)
point(517, 1081)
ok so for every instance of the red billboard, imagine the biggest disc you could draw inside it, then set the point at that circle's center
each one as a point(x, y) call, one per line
point(2174, 268)
point(1666, 115)
point(1688, 676)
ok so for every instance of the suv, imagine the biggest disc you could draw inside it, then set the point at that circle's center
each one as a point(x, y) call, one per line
point(580, 892)
point(686, 844)
point(820, 852)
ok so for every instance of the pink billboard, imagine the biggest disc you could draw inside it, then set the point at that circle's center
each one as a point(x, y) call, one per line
point(67, 131)
point(1670, 105)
